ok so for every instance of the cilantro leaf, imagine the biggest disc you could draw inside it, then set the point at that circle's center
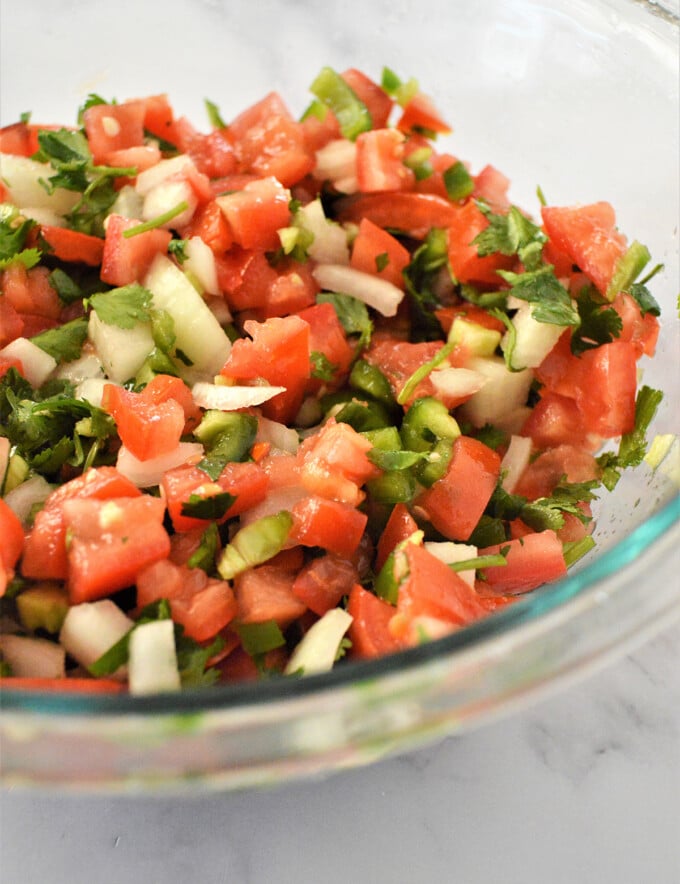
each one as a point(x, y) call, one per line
point(14, 230)
point(510, 234)
point(552, 302)
point(204, 556)
point(352, 313)
point(68, 289)
point(124, 306)
point(548, 512)
point(644, 299)
point(421, 276)
point(178, 248)
point(633, 445)
point(322, 368)
point(211, 507)
point(65, 342)
point(600, 323)
point(192, 660)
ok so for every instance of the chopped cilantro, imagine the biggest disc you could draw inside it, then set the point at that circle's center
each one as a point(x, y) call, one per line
point(644, 299)
point(124, 306)
point(322, 368)
point(64, 342)
point(204, 556)
point(14, 230)
point(68, 290)
point(353, 315)
point(193, 659)
point(214, 116)
point(633, 445)
point(158, 221)
point(511, 234)
point(551, 301)
point(599, 322)
point(420, 277)
point(213, 506)
point(381, 261)
point(422, 372)
point(178, 249)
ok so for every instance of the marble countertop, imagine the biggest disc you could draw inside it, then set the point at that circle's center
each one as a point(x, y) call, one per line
point(582, 788)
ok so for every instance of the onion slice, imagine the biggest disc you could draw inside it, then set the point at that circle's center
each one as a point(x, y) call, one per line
point(378, 293)
point(225, 398)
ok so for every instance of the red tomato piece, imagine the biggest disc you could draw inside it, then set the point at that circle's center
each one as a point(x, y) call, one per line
point(11, 326)
point(432, 589)
point(268, 141)
point(62, 685)
point(327, 336)
point(323, 582)
point(110, 542)
point(465, 263)
point(209, 223)
point(369, 631)
point(293, 289)
point(447, 315)
point(142, 157)
point(30, 291)
point(72, 246)
point(146, 428)
point(330, 524)
point(127, 260)
point(420, 113)
point(400, 526)
point(158, 117)
point(397, 360)
point(245, 277)
point(333, 463)
point(588, 236)
point(567, 462)
point(642, 330)
point(12, 534)
point(255, 213)
point(532, 560)
point(202, 605)
point(278, 351)
point(111, 127)
point(380, 162)
point(164, 387)
point(7, 363)
point(266, 593)
point(377, 101)
point(555, 420)
point(492, 187)
point(415, 214)
point(455, 503)
point(213, 154)
point(45, 549)
point(376, 251)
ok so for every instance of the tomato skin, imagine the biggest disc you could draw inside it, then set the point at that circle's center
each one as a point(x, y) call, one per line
point(146, 428)
point(111, 127)
point(256, 213)
point(293, 289)
point(465, 263)
point(397, 360)
point(556, 420)
point(127, 260)
point(45, 548)
point(375, 98)
point(532, 560)
point(323, 582)
point(588, 236)
point(380, 162)
point(413, 213)
point(400, 526)
point(202, 605)
point(545, 472)
point(268, 141)
point(455, 503)
point(278, 351)
point(72, 246)
point(432, 589)
point(492, 187)
point(330, 524)
point(110, 542)
point(641, 330)
point(333, 463)
point(11, 326)
point(370, 244)
point(266, 593)
point(209, 223)
point(369, 631)
point(163, 387)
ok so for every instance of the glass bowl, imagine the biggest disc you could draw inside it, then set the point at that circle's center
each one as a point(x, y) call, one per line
point(579, 97)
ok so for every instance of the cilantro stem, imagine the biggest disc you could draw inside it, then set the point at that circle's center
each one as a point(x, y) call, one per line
point(422, 372)
point(577, 549)
point(491, 561)
point(158, 221)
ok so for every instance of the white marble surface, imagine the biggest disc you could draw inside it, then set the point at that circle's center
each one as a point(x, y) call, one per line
point(583, 788)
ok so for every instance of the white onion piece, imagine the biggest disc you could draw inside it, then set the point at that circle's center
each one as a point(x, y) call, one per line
point(90, 629)
point(335, 160)
point(318, 648)
point(279, 436)
point(224, 398)
point(33, 657)
point(201, 263)
point(330, 239)
point(87, 366)
point(165, 197)
point(43, 216)
point(378, 293)
point(457, 382)
point(24, 497)
point(152, 663)
point(37, 365)
point(21, 177)
point(146, 473)
point(515, 460)
point(151, 178)
point(92, 390)
point(128, 203)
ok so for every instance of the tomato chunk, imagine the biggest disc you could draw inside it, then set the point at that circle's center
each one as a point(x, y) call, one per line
point(127, 260)
point(369, 631)
point(531, 561)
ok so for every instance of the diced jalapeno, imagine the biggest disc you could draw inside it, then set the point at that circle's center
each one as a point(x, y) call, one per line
point(426, 421)
point(351, 113)
point(255, 544)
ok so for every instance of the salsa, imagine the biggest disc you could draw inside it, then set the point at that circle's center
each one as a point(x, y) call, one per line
point(292, 392)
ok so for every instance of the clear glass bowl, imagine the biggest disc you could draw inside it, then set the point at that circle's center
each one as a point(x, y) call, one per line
point(579, 97)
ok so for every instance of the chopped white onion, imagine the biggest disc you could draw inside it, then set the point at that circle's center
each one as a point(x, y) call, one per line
point(151, 178)
point(457, 382)
point(22, 499)
point(165, 197)
point(318, 649)
point(21, 177)
point(378, 293)
point(152, 663)
point(128, 203)
point(515, 460)
point(33, 657)
point(92, 390)
point(279, 436)
point(279, 499)
point(43, 215)
point(146, 473)
point(335, 160)
point(224, 398)
point(37, 365)
point(90, 629)
point(87, 366)
point(201, 263)
point(330, 239)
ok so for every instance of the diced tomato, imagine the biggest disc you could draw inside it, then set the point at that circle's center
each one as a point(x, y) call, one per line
point(399, 526)
point(492, 187)
point(45, 549)
point(213, 154)
point(209, 223)
point(202, 605)
point(11, 325)
point(163, 387)
point(641, 330)
point(415, 214)
point(140, 158)
point(380, 162)
point(278, 351)
point(420, 113)
point(146, 428)
point(328, 524)
point(268, 141)
point(62, 685)
point(12, 534)
point(158, 117)
point(318, 132)
point(376, 251)
point(567, 462)
point(113, 127)
point(323, 582)
point(327, 336)
point(8, 362)
point(247, 482)
point(369, 631)
point(333, 463)
point(16, 140)
point(293, 289)
point(110, 542)
point(455, 503)
point(245, 277)
point(432, 589)
point(72, 246)
point(255, 213)
point(397, 360)
point(127, 260)
point(531, 561)
point(30, 291)
point(266, 593)
point(469, 312)
point(555, 420)
point(239, 666)
point(375, 98)
point(467, 266)
point(588, 236)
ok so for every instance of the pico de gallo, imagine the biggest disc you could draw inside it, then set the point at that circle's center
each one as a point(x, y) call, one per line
point(292, 391)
